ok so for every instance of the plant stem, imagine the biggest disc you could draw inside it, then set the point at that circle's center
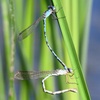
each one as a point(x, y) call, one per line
point(11, 68)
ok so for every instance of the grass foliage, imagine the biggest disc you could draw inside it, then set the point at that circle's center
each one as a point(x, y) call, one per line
point(68, 36)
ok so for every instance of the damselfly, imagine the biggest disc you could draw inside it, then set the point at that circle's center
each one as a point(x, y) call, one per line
point(28, 30)
point(51, 10)
point(25, 75)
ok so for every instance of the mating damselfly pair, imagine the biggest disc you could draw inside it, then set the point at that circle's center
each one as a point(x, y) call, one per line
point(21, 75)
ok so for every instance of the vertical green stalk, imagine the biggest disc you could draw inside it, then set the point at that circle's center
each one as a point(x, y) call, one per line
point(4, 50)
point(75, 25)
point(85, 34)
point(11, 68)
point(82, 87)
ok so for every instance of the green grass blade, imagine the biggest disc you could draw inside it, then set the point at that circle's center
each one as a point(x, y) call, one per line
point(83, 91)
point(12, 56)
point(84, 30)
point(33, 52)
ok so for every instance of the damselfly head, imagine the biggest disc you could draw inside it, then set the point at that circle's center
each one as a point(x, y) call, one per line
point(52, 7)
point(17, 76)
point(70, 70)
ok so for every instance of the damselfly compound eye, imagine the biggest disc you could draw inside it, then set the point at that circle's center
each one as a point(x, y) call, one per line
point(52, 7)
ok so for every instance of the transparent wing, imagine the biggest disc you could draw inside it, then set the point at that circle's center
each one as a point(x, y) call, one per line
point(25, 75)
point(29, 29)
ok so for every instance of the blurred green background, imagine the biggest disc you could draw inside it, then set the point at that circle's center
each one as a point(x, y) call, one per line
point(33, 54)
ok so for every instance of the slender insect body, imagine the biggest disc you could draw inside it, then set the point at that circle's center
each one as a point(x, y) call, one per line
point(47, 43)
point(47, 13)
point(22, 75)
point(27, 31)
point(62, 72)
point(58, 72)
